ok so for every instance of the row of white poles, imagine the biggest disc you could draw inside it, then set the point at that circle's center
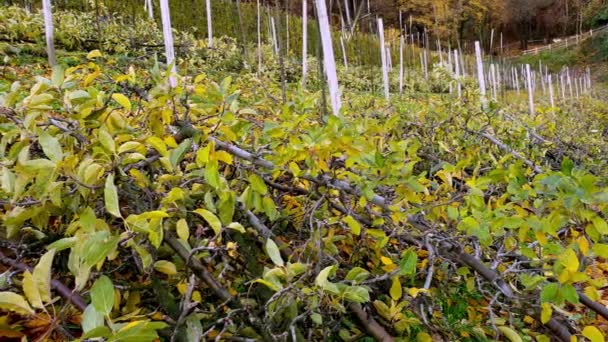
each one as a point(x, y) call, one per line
point(582, 84)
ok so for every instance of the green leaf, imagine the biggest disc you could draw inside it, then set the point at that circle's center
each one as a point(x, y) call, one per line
point(601, 225)
point(212, 174)
point(138, 331)
point(106, 140)
point(102, 295)
point(236, 226)
point(549, 293)
point(321, 279)
point(268, 284)
point(569, 293)
point(210, 217)
point(30, 288)
point(357, 294)
point(227, 206)
point(257, 184)
point(51, 147)
point(111, 196)
point(98, 246)
point(600, 250)
point(273, 252)
point(42, 275)
point(353, 225)
point(177, 155)
point(15, 303)
point(57, 76)
point(122, 100)
point(91, 319)
point(510, 334)
point(593, 334)
point(407, 265)
point(357, 274)
point(166, 267)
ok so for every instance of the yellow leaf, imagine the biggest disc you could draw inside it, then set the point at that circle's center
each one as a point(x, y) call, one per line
point(31, 290)
point(591, 292)
point(42, 275)
point(386, 261)
point(166, 267)
point(224, 156)
point(117, 299)
point(159, 145)
point(14, 302)
point(569, 260)
point(211, 219)
point(94, 54)
point(510, 334)
point(583, 245)
point(424, 337)
point(182, 287)
point(593, 334)
point(196, 297)
point(396, 291)
point(183, 232)
point(122, 100)
point(413, 291)
point(546, 312)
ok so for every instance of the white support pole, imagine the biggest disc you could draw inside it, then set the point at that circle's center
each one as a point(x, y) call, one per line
point(569, 80)
point(48, 31)
point(348, 18)
point(529, 86)
point(260, 37)
point(493, 75)
point(562, 85)
point(275, 42)
point(344, 59)
point(383, 58)
point(457, 70)
point(401, 43)
point(209, 24)
point(304, 40)
point(168, 37)
point(287, 34)
point(551, 100)
point(516, 80)
point(328, 56)
point(480, 76)
point(150, 7)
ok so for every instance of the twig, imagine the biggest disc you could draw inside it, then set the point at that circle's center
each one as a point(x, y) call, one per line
point(505, 147)
point(197, 267)
point(186, 306)
point(371, 326)
point(63, 290)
